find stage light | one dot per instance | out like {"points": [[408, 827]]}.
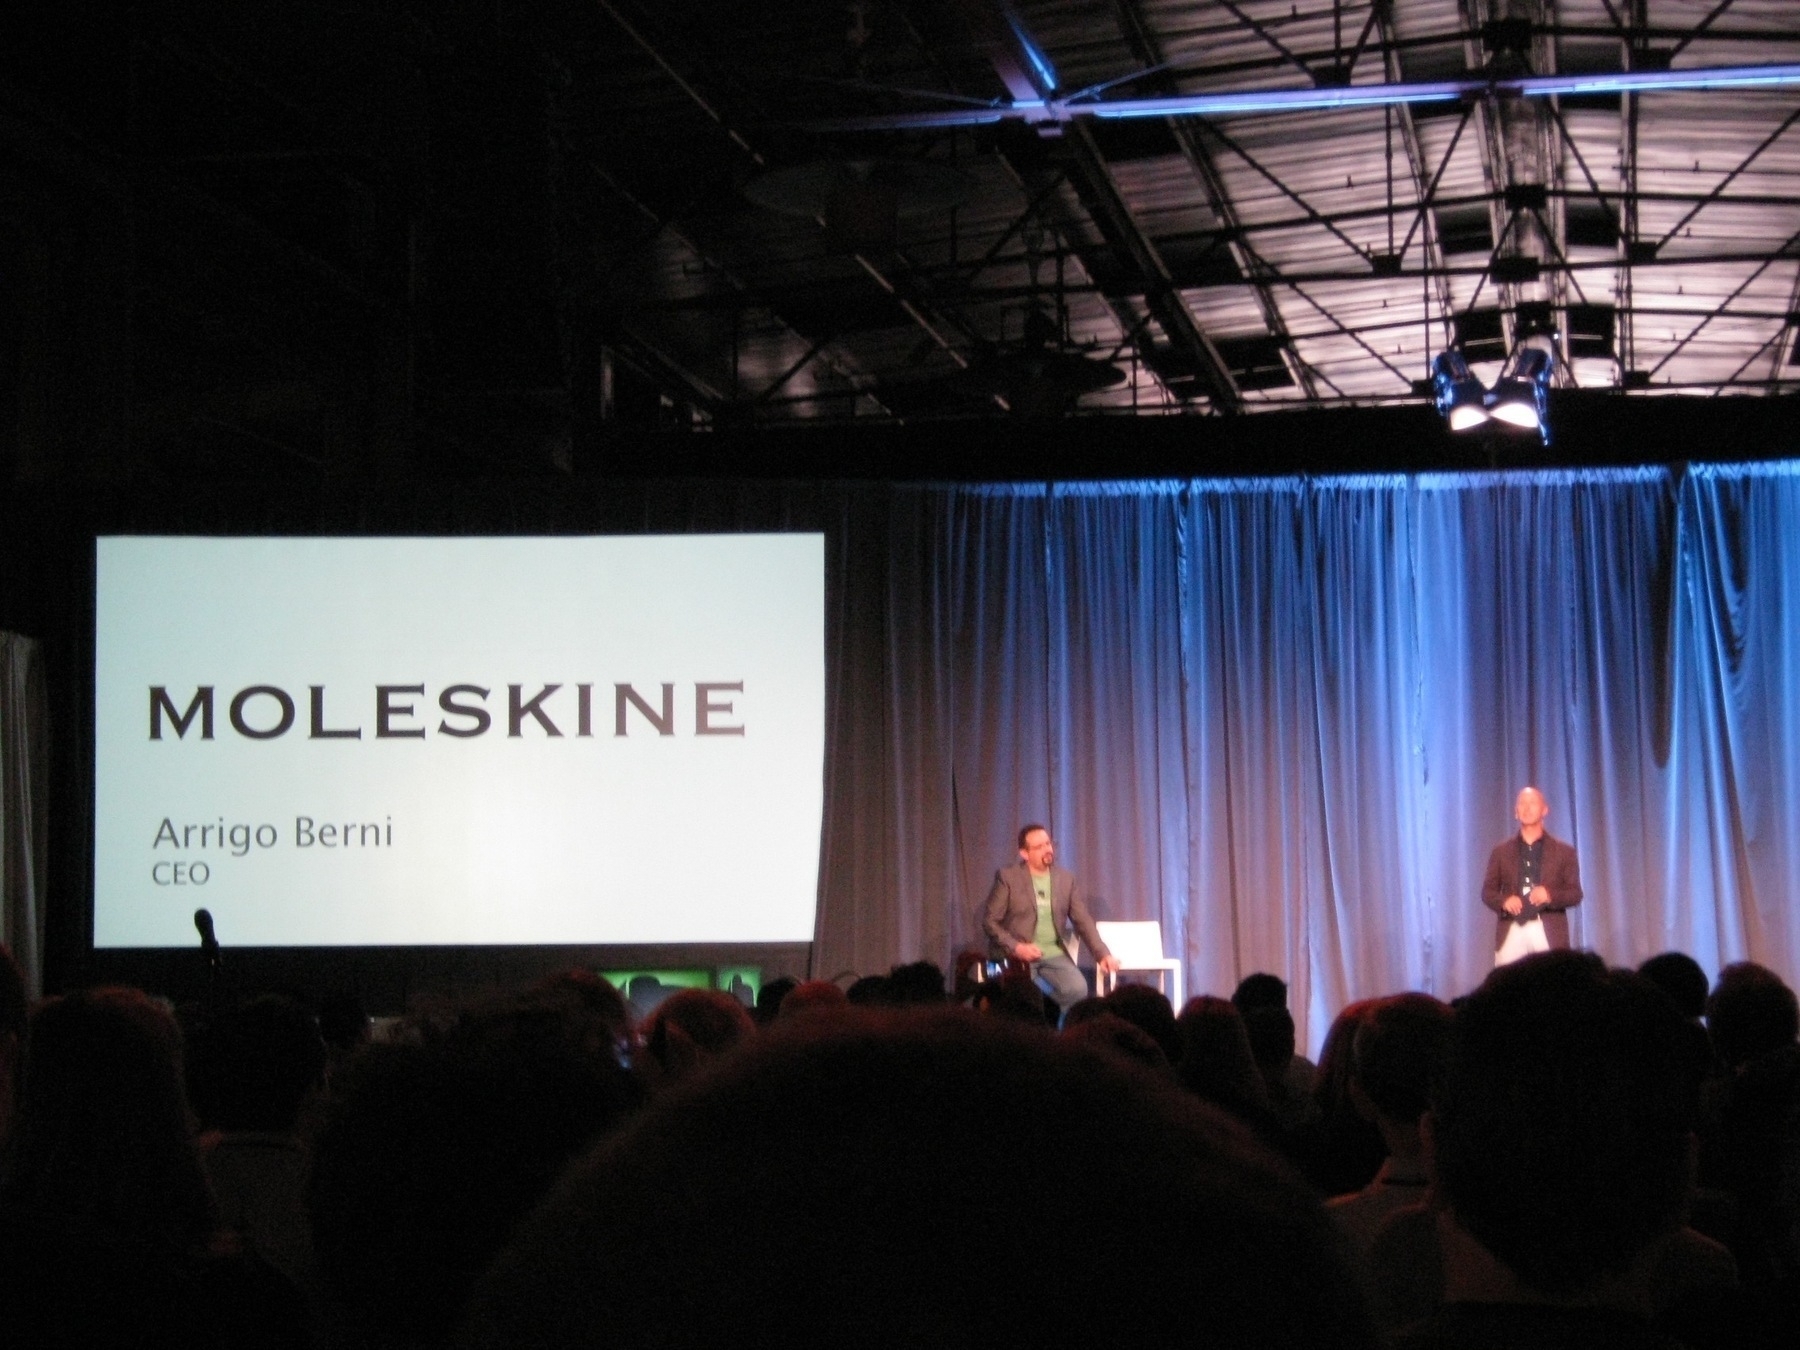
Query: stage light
{"points": [[1461, 399], [1521, 396]]}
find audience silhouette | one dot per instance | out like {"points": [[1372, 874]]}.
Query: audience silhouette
{"points": [[875, 1138], [540, 1168], [107, 1224], [433, 1147]]}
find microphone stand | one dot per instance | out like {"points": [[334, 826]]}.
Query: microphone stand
{"points": [[209, 952]]}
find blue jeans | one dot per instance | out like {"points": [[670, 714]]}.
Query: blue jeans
{"points": [[1061, 979]]}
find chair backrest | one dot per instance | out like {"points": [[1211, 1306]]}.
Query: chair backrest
{"points": [[1134, 941]]}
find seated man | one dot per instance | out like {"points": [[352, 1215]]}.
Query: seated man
{"points": [[1032, 905]]}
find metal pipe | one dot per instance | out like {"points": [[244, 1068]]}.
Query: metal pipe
{"points": [[1254, 102]]}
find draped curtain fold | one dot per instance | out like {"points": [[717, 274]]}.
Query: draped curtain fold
{"points": [[1287, 718]]}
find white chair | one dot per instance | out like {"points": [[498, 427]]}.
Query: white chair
{"points": [[1139, 947]]}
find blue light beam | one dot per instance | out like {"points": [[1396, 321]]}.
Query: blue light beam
{"points": [[1266, 101]]}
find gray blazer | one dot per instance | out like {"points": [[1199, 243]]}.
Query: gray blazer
{"points": [[1011, 913]]}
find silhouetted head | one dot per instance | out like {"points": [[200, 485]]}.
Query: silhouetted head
{"points": [[434, 1146], [267, 1056], [1271, 1033], [1260, 990], [869, 991], [1679, 976], [595, 996], [102, 1132], [769, 998], [691, 1027], [814, 999], [1750, 1012], [343, 1023], [1084, 1010], [917, 984], [1016, 997], [1216, 1063], [875, 1138], [1149, 1011], [1561, 1133], [1112, 1033], [1337, 1060], [1400, 1053]]}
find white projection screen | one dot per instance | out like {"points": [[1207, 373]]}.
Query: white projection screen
{"points": [[423, 742]]}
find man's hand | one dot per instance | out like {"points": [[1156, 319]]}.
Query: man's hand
{"points": [[1109, 964], [1540, 896], [1513, 905], [1029, 951]]}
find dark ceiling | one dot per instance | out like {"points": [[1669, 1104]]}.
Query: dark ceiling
{"points": [[460, 237]]}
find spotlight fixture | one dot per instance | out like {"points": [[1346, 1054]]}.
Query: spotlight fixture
{"points": [[1521, 396], [1461, 399]]}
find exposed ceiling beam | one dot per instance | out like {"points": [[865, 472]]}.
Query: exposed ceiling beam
{"points": [[698, 389], [962, 272], [1328, 98], [1100, 194], [1718, 192], [1719, 312], [1790, 333], [1023, 68], [1698, 311], [1389, 47], [1781, 385], [1518, 152], [987, 295], [1147, 50], [1422, 179], [1699, 29], [1625, 325], [914, 310]]}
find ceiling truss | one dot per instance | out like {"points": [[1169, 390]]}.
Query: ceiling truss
{"points": [[1208, 207], [1254, 279]]}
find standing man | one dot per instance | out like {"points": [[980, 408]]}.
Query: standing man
{"points": [[1531, 880], [1032, 905]]}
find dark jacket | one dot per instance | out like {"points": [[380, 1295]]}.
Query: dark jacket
{"points": [[1562, 878], [1011, 913]]}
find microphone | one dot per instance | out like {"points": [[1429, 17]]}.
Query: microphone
{"points": [[209, 953]]}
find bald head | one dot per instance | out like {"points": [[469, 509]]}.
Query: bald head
{"points": [[1530, 809]]}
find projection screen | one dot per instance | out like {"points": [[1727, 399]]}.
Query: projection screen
{"points": [[346, 742]]}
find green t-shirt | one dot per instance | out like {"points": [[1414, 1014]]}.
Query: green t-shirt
{"points": [[1045, 937]]}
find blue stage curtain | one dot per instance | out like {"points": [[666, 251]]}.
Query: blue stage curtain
{"points": [[1287, 718], [1729, 855]]}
